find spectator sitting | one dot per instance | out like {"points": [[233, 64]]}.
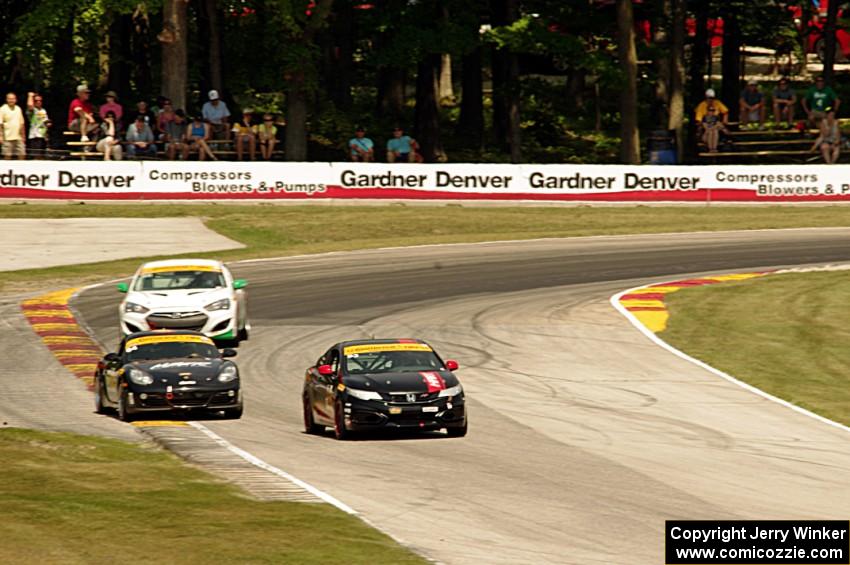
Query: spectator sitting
{"points": [[39, 124], [176, 136], [110, 141], [819, 101], [784, 99], [164, 117], [702, 108], [267, 136], [244, 133], [361, 147], [12, 128], [142, 109], [829, 140], [112, 105], [81, 114], [215, 112], [401, 148], [712, 126], [197, 136], [140, 138], [751, 104]]}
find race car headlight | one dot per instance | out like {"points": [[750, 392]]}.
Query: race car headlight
{"points": [[228, 373], [451, 391], [222, 304], [140, 377], [133, 307], [363, 394]]}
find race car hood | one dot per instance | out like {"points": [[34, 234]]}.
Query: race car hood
{"points": [[194, 298], [172, 371], [421, 381]]}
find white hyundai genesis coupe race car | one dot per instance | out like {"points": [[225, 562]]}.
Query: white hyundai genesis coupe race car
{"points": [[186, 294]]}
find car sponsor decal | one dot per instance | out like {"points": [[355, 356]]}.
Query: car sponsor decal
{"points": [[173, 338], [433, 381], [180, 269], [176, 364], [375, 347]]}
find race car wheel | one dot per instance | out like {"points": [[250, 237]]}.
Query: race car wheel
{"points": [[457, 432], [98, 397], [340, 430], [243, 334], [234, 413], [309, 424], [123, 414]]}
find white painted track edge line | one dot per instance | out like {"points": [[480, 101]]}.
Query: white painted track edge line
{"points": [[615, 302]]}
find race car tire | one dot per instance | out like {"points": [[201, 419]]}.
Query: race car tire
{"points": [[123, 414], [243, 334], [234, 413], [340, 431], [310, 425], [99, 408], [458, 432]]}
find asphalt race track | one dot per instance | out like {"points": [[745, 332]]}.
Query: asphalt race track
{"points": [[584, 436]]}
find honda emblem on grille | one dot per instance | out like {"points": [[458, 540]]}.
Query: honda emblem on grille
{"points": [[411, 397]]}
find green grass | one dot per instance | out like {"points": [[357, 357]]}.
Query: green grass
{"points": [[76, 499], [270, 231], [785, 334]]}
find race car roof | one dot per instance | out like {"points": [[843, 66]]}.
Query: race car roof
{"points": [[380, 341], [178, 263]]}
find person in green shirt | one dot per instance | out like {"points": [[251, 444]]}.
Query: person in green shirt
{"points": [[819, 101]]}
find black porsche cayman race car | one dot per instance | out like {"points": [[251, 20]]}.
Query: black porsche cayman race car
{"points": [[383, 383], [158, 371]]}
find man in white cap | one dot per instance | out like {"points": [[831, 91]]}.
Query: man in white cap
{"points": [[216, 113], [751, 105], [81, 113], [711, 100]]}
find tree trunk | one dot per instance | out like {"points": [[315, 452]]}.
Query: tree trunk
{"points": [[575, 89], [630, 144], [338, 56], [427, 118], [141, 49], [829, 37], [391, 92], [731, 64], [62, 86], [296, 118], [471, 123], [805, 18], [120, 53], [661, 40], [174, 41], [446, 89], [213, 29], [699, 58], [506, 87], [676, 105]]}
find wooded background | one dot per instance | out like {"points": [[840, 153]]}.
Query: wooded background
{"points": [[471, 80]]}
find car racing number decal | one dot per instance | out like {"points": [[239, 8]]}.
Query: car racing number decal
{"points": [[375, 347], [433, 381], [149, 339]]}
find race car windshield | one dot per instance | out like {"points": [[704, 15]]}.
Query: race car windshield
{"points": [[171, 350], [391, 362], [179, 280]]}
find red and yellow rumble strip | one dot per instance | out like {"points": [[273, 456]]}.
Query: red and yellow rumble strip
{"points": [[646, 304], [52, 320]]}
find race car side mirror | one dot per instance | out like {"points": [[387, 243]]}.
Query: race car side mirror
{"points": [[326, 370], [239, 283], [123, 287], [228, 352], [451, 365], [111, 358]]}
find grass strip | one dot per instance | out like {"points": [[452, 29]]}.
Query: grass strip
{"points": [[76, 499], [785, 334], [270, 231]]}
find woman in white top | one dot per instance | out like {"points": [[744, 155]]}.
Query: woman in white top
{"points": [[829, 139]]}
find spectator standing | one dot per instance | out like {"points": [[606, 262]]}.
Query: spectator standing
{"points": [[110, 140], [140, 139], [39, 124], [81, 114], [829, 140], [751, 105], [361, 147], [819, 101], [12, 128], [784, 99], [267, 136], [401, 148], [244, 133], [176, 132], [112, 105], [215, 112], [710, 100], [197, 137]]}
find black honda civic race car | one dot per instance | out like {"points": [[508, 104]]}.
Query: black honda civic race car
{"points": [[383, 384], [159, 371]]}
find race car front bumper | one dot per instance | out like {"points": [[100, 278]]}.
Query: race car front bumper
{"points": [[184, 398], [361, 415], [218, 324]]}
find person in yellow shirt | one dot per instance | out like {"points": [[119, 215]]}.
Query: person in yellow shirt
{"points": [[243, 132], [711, 100]]}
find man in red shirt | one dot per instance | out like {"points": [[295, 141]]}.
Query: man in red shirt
{"points": [[81, 113]]}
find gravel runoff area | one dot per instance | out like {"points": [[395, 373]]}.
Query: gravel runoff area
{"points": [[39, 243]]}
